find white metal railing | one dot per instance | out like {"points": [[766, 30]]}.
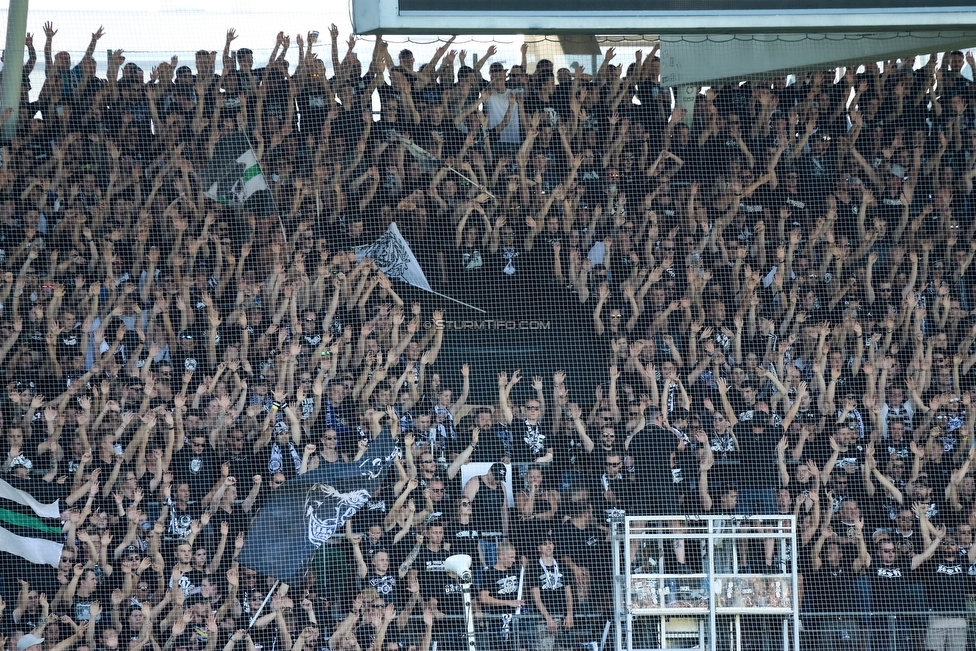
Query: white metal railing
{"points": [[714, 587]]}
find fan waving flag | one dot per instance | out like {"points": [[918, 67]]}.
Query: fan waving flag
{"points": [[428, 162], [394, 257], [28, 528], [306, 511], [233, 175]]}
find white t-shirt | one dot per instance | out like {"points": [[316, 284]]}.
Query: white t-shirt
{"points": [[497, 106]]}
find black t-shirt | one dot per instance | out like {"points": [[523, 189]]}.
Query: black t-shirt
{"points": [[510, 269], [536, 104], [199, 470], [612, 496], [385, 585], [797, 203], [314, 106], [587, 547], [237, 520], [530, 441], [433, 576], [190, 582], [194, 362], [551, 582], [853, 456], [651, 450], [28, 620], [80, 609], [491, 445], [463, 538], [181, 519], [243, 468], [758, 468], [907, 546], [946, 583], [818, 449], [568, 450], [487, 508], [501, 584], [831, 589], [889, 586], [349, 124]]}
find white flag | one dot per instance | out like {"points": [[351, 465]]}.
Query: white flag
{"points": [[393, 257], [428, 162]]}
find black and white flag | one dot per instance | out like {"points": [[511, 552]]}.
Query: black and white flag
{"points": [[306, 511], [394, 258]]}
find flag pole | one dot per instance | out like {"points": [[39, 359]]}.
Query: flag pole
{"points": [[477, 309], [410, 143], [264, 603]]}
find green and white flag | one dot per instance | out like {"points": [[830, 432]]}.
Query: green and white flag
{"points": [[28, 528], [233, 175]]}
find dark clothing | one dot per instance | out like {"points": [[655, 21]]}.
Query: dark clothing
{"points": [[199, 470], [500, 584], [463, 538], [491, 446], [530, 441], [831, 588], [946, 583], [758, 469], [487, 508], [552, 586], [651, 450], [889, 586]]}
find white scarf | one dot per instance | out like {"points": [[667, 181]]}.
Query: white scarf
{"points": [[551, 580]]}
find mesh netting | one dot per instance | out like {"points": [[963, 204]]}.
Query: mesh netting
{"points": [[292, 336]]}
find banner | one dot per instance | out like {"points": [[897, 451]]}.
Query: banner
{"points": [[394, 258], [28, 528], [306, 511], [233, 175]]}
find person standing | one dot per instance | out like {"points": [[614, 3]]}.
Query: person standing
{"points": [[552, 596], [499, 597], [489, 504], [503, 108], [946, 581], [831, 586], [889, 591]]}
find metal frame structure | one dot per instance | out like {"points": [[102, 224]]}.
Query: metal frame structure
{"points": [[723, 594], [446, 17]]}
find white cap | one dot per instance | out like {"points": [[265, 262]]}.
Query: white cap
{"points": [[28, 641]]}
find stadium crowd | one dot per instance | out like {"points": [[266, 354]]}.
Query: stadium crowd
{"points": [[774, 289]]}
